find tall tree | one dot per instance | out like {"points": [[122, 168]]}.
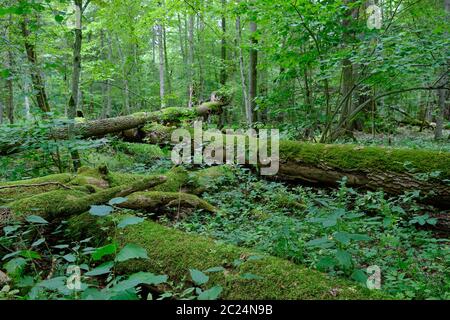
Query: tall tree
{"points": [[76, 72], [38, 82], [443, 92], [162, 72], [253, 73]]}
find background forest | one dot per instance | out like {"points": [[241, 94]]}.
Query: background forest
{"points": [[90, 91]]}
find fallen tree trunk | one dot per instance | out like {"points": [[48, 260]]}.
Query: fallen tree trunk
{"points": [[58, 204], [177, 252], [394, 170], [376, 168], [102, 127], [156, 201]]}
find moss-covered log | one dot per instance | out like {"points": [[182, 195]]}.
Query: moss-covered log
{"points": [[158, 201], [377, 168], [173, 253], [394, 170], [57, 204]]}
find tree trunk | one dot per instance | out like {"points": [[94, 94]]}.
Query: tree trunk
{"points": [[191, 85], [223, 57], [38, 83], [253, 72], [73, 102], [248, 111], [443, 93], [162, 73]]}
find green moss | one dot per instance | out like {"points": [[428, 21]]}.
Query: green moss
{"points": [[176, 179], [157, 200], [352, 157], [173, 253], [45, 203], [97, 177], [143, 153], [13, 194]]}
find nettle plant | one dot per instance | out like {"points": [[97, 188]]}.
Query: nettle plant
{"points": [[38, 269]]}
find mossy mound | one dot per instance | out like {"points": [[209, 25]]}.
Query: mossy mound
{"points": [[143, 153], [173, 253]]}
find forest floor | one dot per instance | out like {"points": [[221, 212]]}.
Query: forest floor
{"points": [[342, 232]]}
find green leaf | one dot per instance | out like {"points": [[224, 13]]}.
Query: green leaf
{"points": [[211, 294], [100, 211], [53, 284], [129, 221], [360, 237], [320, 242], [344, 258], [131, 251], [147, 278], [198, 277], [36, 219], [342, 237], [15, 266], [118, 200], [38, 242], [104, 251], [30, 254], [359, 276], [326, 263], [104, 268], [70, 258]]}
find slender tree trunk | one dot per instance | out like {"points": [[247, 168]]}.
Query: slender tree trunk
{"points": [[191, 85], [73, 102], [26, 102], [38, 83], [126, 89], [166, 63], [253, 71], [223, 57], [182, 42], [248, 110], [1, 112], [347, 70], [162, 82], [444, 92], [9, 80]]}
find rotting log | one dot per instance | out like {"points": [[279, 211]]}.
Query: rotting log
{"points": [[394, 170], [58, 204], [177, 252], [156, 201]]}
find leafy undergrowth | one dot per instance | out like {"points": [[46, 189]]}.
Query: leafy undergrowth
{"points": [[41, 262], [342, 232]]}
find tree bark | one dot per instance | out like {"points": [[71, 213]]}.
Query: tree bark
{"points": [[253, 73], [38, 83], [248, 111], [162, 72], [76, 72]]}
